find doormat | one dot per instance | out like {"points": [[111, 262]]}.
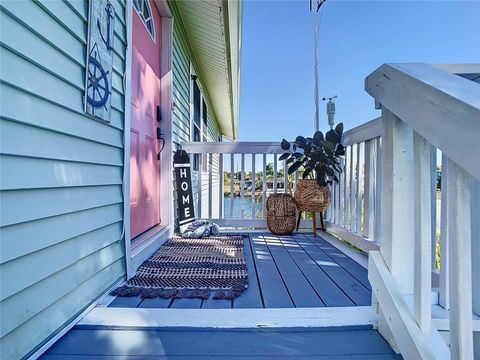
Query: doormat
{"points": [[192, 268]]}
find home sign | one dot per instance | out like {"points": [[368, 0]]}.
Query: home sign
{"points": [[183, 181]]}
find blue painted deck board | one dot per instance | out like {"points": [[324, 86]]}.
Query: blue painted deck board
{"points": [[329, 292], [216, 304], [350, 265], [274, 292], [349, 285], [300, 290], [252, 297], [186, 304], [333, 343], [155, 303], [128, 301]]}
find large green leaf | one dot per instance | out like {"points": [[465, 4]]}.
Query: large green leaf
{"points": [[294, 167], [318, 138], [284, 156], [339, 129], [285, 144]]}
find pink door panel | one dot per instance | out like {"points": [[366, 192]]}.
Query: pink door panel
{"points": [[144, 145]]}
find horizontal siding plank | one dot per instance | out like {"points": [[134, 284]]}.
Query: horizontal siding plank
{"points": [[116, 116], [46, 144], [65, 17], [38, 21], [32, 78], [33, 47], [28, 335], [17, 240], [30, 270], [27, 173], [80, 7], [22, 107], [16, 205]]}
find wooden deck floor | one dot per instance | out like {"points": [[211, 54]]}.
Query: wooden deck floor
{"points": [[353, 343], [285, 272]]}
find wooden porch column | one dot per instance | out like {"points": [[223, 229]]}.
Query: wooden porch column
{"points": [[397, 235]]}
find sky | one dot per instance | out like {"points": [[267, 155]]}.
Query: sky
{"points": [[355, 38]]}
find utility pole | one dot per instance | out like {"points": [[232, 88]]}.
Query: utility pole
{"points": [[315, 6]]}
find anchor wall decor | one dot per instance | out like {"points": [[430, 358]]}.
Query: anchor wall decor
{"points": [[98, 76]]}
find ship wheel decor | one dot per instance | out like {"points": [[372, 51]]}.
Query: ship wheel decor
{"points": [[97, 89], [98, 73]]}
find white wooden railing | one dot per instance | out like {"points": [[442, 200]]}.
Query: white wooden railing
{"points": [[354, 211], [424, 106], [248, 158]]}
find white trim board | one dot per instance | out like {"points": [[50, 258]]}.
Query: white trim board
{"points": [[354, 254], [230, 318]]}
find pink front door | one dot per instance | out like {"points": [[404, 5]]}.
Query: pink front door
{"points": [[144, 145]]}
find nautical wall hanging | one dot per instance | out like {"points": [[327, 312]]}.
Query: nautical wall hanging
{"points": [[183, 181], [98, 77]]}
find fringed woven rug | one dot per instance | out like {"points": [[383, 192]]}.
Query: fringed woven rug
{"points": [[192, 268]]}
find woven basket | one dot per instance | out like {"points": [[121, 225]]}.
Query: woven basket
{"points": [[281, 214], [309, 196]]}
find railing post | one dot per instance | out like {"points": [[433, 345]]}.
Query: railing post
{"points": [[264, 187], [422, 301], [397, 246], [459, 233], [378, 190], [475, 219], [351, 193], [210, 185], [220, 186], [252, 187], [475, 203], [444, 287], [242, 185], [433, 189], [200, 184], [369, 192], [358, 190], [232, 183]]}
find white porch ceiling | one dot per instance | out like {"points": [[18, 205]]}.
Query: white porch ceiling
{"points": [[213, 30]]}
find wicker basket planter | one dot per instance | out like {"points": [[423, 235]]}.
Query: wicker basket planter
{"points": [[281, 213], [309, 196]]}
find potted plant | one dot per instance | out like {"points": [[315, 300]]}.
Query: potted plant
{"points": [[319, 158]]}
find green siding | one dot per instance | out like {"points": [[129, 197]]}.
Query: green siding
{"points": [[181, 117], [61, 172]]}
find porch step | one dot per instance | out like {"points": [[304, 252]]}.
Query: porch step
{"points": [[344, 343]]}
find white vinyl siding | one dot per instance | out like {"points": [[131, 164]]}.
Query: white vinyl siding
{"points": [[61, 171]]}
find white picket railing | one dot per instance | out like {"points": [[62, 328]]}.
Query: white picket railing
{"points": [[252, 158], [354, 211], [424, 106]]}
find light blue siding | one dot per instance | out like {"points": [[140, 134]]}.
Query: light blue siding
{"points": [[61, 198]]}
